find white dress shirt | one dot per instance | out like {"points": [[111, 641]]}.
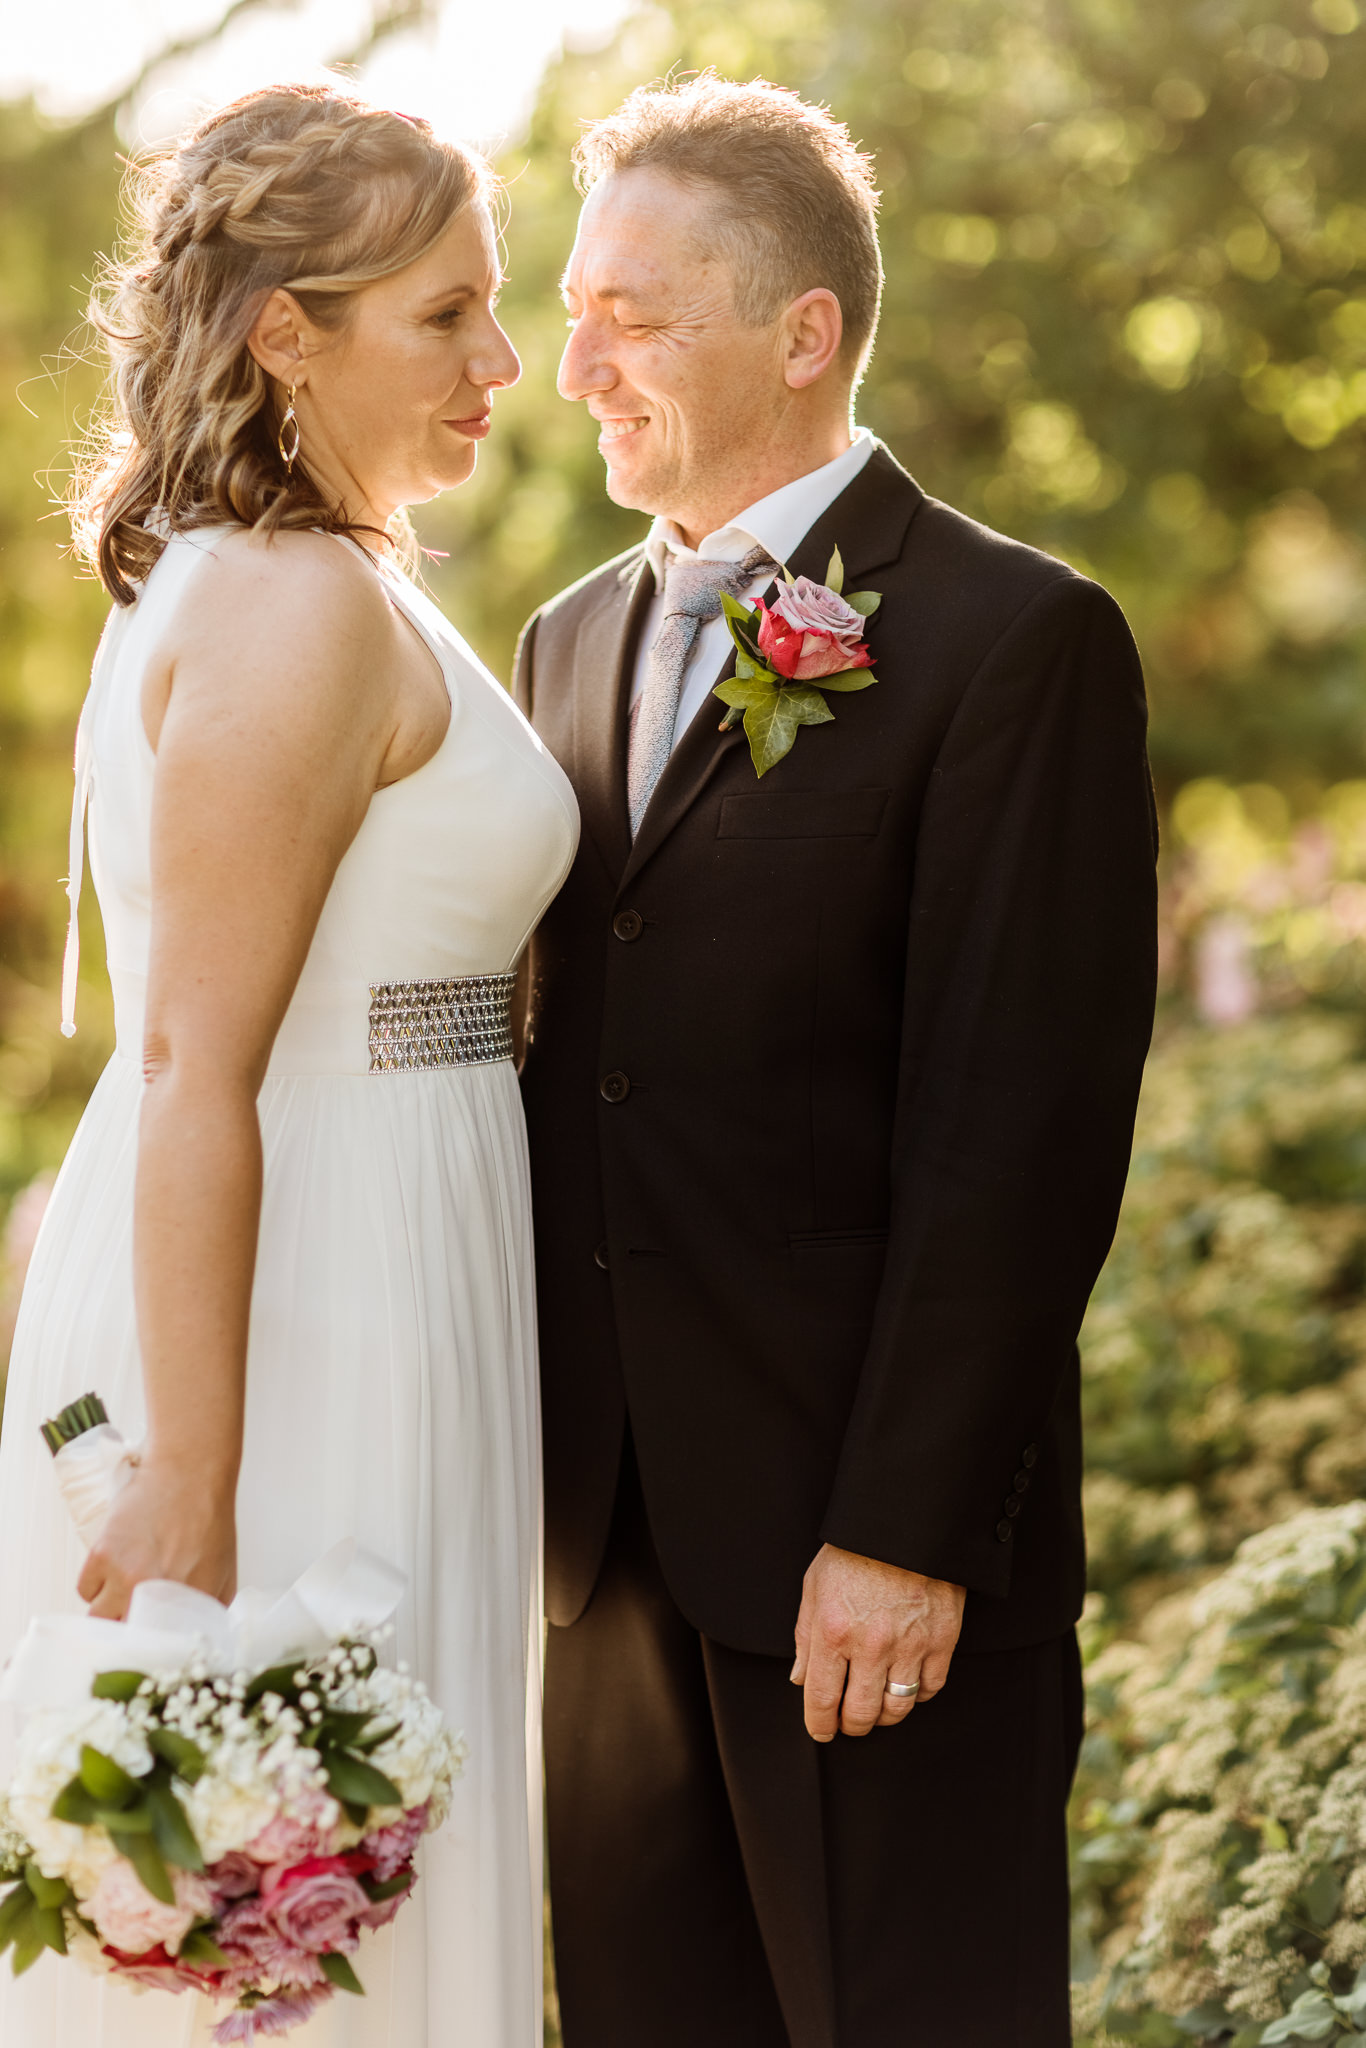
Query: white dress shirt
{"points": [[778, 524]]}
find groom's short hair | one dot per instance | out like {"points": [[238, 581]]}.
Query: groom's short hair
{"points": [[796, 205]]}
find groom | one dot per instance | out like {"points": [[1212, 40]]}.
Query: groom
{"points": [[830, 1084]]}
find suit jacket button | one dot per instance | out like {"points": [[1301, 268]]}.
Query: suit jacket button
{"points": [[628, 924], [614, 1087], [1019, 1482], [1011, 1503], [600, 1255], [1029, 1456], [1004, 1531]]}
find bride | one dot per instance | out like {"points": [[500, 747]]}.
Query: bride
{"points": [[290, 1244]]}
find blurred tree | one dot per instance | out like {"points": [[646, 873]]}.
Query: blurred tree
{"points": [[1125, 320]]}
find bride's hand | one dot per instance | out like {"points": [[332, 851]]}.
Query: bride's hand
{"points": [[166, 1523]]}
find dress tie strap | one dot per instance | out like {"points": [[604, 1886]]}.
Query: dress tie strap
{"points": [[71, 957]]}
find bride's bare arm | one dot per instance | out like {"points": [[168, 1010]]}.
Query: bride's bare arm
{"points": [[275, 730]]}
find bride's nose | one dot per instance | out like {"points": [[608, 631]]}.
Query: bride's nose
{"points": [[497, 366]]}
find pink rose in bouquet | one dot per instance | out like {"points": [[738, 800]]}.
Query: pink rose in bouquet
{"points": [[234, 1876], [318, 1904], [128, 1918], [809, 631]]}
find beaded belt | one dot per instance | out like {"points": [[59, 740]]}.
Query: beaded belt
{"points": [[466, 1022]]}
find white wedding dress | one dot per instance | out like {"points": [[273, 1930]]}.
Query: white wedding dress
{"points": [[392, 1371]]}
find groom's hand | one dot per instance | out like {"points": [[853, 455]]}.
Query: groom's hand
{"points": [[861, 1625]]}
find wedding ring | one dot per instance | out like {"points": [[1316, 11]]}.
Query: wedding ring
{"points": [[903, 1692]]}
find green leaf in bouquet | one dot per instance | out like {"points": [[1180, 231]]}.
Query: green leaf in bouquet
{"points": [[864, 602], [338, 1731], [117, 1685], [15, 1908], [47, 1891], [28, 1942], [282, 1679], [186, 1758], [171, 1828], [105, 1780], [339, 1973], [200, 1947], [50, 1928], [142, 1852], [834, 575], [771, 726], [849, 679], [351, 1778], [74, 1805], [378, 1888], [125, 1820], [372, 1741]]}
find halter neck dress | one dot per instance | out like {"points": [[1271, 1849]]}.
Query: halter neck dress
{"points": [[391, 1389]]}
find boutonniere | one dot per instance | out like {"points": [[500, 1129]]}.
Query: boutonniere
{"points": [[787, 654]]}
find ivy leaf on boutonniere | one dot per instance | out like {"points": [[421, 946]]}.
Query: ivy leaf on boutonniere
{"points": [[809, 640]]}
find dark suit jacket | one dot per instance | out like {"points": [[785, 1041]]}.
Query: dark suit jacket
{"points": [[830, 1083]]}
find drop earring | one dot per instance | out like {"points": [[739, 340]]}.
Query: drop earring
{"points": [[291, 419]]}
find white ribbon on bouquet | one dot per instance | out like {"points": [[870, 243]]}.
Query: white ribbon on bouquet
{"points": [[347, 1592]]}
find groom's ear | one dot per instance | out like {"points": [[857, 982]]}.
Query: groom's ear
{"points": [[813, 331], [281, 336]]}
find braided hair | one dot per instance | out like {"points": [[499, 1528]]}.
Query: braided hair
{"points": [[297, 187]]}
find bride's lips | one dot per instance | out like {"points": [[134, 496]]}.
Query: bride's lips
{"points": [[473, 429]]}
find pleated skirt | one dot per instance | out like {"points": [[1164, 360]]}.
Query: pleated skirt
{"points": [[391, 1397]]}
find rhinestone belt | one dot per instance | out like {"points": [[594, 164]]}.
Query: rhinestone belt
{"points": [[466, 1022]]}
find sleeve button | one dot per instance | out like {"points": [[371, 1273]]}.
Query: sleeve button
{"points": [[1029, 1456], [1019, 1482], [1011, 1504], [1004, 1530]]}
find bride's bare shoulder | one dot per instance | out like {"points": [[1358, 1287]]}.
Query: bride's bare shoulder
{"points": [[253, 584]]}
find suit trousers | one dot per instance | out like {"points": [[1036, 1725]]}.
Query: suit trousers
{"points": [[719, 1880]]}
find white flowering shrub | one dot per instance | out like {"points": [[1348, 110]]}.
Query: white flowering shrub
{"points": [[1220, 1855]]}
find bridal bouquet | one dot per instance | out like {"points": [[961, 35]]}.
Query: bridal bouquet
{"points": [[209, 1826]]}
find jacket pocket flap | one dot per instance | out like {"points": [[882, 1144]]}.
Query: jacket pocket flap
{"points": [[802, 814]]}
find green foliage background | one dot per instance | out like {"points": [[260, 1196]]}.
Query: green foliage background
{"points": [[1126, 321]]}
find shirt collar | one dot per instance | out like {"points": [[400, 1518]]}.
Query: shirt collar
{"points": [[777, 523]]}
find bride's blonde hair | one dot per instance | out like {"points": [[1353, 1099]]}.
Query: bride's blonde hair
{"points": [[297, 187]]}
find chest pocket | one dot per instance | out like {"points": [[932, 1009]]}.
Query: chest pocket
{"points": [[803, 814]]}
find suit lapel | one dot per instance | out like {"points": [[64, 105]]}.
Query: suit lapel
{"points": [[603, 661], [868, 521]]}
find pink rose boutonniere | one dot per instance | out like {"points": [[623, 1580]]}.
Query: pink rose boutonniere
{"points": [[809, 640]]}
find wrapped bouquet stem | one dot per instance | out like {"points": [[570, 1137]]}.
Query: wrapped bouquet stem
{"points": [[92, 1462], [219, 1800]]}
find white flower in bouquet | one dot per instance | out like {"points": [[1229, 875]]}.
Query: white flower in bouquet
{"points": [[49, 1758], [421, 1756]]}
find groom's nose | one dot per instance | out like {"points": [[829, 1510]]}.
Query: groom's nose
{"points": [[585, 366]]}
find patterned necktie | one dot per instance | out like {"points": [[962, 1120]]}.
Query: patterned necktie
{"points": [[692, 597]]}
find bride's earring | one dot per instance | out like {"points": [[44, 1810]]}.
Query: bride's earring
{"points": [[289, 449]]}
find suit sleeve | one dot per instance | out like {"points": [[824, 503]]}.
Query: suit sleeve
{"points": [[524, 666], [1030, 981], [523, 695]]}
